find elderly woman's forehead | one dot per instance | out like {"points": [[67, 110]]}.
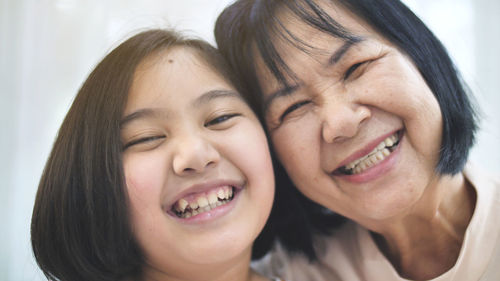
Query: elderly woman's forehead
{"points": [[290, 22], [290, 29]]}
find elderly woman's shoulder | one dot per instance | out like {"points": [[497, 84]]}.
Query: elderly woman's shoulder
{"points": [[331, 251]]}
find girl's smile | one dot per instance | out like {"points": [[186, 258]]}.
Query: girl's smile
{"points": [[205, 202]]}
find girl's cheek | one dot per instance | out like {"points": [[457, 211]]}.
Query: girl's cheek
{"points": [[142, 177]]}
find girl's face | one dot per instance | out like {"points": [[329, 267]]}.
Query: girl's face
{"points": [[359, 131], [197, 167]]}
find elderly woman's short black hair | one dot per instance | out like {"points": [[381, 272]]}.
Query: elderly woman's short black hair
{"points": [[248, 29], [80, 227]]}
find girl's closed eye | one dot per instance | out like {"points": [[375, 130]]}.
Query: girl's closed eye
{"points": [[149, 140], [221, 120]]}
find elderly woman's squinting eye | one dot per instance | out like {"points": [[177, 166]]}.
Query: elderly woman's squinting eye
{"points": [[292, 108], [351, 69]]}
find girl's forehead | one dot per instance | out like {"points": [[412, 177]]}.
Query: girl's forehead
{"points": [[172, 55], [172, 78]]}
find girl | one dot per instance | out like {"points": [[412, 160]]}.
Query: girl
{"points": [[160, 171]]}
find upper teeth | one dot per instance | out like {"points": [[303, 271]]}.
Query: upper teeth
{"points": [[203, 202], [376, 155]]}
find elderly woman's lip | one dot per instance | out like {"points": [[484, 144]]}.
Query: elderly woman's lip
{"points": [[382, 150]]}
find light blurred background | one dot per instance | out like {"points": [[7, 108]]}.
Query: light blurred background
{"points": [[48, 47]]}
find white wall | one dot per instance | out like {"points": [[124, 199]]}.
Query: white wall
{"points": [[47, 47]]}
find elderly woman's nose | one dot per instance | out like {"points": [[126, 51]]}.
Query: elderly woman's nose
{"points": [[342, 120], [193, 154]]}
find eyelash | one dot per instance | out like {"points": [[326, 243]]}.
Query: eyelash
{"points": [[212, 122], [351, 70], [221, 119], [142, 140], [292, 108]]}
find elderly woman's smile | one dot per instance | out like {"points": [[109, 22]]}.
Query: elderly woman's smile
{"points": [[375, 157]]}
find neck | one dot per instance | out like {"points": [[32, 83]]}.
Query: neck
{"points": [[233, 270], [425, 242]]}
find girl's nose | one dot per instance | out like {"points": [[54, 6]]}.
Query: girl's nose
{"points": [[341, 120], [194, 154]]}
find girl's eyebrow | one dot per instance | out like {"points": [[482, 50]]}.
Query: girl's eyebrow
{"points": [[215, 94], [139, 114], [201, 100]]}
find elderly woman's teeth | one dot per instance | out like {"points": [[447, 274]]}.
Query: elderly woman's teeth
{"points": [[203, 202], [378, 154]]}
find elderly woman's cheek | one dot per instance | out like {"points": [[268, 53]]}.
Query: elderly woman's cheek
{"points": [[297, 147]]}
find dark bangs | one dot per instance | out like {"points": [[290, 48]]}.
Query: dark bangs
{"points": [[269, 29]]}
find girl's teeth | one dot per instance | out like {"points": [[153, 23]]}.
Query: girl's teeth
{"points": [[186, 208], [202, 201], [381, 145], [372, 158], [181, 205], [212, 198], [388, 142], [220, 194], [193, 205]]}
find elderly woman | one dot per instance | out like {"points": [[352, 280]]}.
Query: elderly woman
{"points": [[369, 118]]}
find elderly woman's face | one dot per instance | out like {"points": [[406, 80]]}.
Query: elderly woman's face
{"points": [[360, 131]]}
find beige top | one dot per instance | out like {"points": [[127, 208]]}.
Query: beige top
{"points": [[351, 254]]}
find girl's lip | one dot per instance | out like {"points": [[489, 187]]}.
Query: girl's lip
{"points": [[364, 151], [203, 187], [212, 214]]}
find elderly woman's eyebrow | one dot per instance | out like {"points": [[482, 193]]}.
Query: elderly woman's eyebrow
{"points": [[285, 91], [340, 52]]}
